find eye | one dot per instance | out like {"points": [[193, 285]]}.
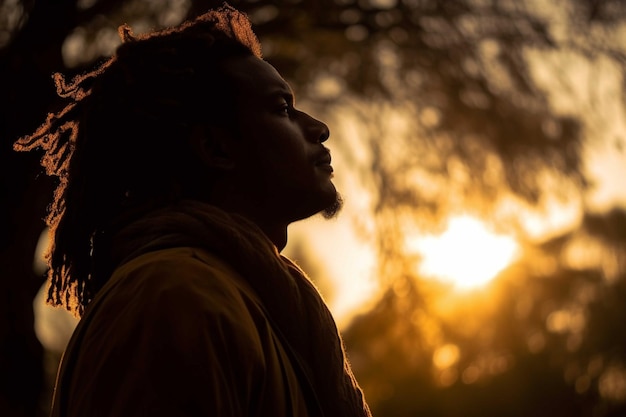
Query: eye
{"points": [[285, 109], [284, 104]]}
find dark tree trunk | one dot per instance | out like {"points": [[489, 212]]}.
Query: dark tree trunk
{"points": [[27, 92]]}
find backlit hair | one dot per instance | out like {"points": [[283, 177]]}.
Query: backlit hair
{"points": [[119, 145]]}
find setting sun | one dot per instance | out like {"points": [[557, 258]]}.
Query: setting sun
{"points": [[466, 254]]}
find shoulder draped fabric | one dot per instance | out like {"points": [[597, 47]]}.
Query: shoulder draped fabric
{"points": [[203, 317]]}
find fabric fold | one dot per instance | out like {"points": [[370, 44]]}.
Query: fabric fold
{"points": [[291, 299]]}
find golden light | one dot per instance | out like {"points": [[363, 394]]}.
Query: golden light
{"points": [[446, 356], [467, 254]]}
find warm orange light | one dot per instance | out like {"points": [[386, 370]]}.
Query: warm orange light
{"points": [[467, 254], [446, 356]]}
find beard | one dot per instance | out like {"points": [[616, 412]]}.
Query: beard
{"points": [[333, 209]]}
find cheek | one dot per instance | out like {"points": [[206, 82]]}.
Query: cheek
{"points": [[282, 148], [275, 144]]}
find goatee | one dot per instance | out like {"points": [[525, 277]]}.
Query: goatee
{"points": [[334, 208]]}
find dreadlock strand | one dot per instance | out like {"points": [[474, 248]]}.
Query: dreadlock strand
{"points": [[72, 89], [58, 149], [48, 135], [126, 33], [55, 290], [39, 138], [238, 26], [63, 89], [57, 159]]}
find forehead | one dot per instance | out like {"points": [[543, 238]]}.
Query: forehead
{"points": [[255, 78]]}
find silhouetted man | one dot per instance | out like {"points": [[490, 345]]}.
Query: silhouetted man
{"points": [[181, 162]]}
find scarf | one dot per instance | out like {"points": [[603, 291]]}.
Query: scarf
{"points": [[289, 297]]}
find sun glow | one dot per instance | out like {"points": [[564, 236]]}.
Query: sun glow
{"points": [[467, 254]]}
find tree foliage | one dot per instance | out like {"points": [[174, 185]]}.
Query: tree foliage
{"points": [[544, 340]]}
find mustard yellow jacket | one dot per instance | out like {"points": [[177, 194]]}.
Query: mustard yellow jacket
{"points": [[177, 332]]}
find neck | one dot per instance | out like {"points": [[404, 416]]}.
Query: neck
{"points": [[276, 233], [230, 201]]}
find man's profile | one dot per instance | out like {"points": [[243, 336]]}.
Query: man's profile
{"points": [[181, 161]]}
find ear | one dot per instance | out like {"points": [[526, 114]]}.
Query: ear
{"points": [[211, 145]]}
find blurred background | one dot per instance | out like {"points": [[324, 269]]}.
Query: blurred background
{"points": [[478, 268]]}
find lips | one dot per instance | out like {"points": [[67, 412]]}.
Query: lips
{"points": [[323, 161]]}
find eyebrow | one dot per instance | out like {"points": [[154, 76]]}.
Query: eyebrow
{"points": [[285, 93]]}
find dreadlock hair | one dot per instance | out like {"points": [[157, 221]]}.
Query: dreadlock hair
{"points": [[120, 144]]}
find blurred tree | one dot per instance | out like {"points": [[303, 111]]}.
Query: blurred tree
{"points": [[454, 117], [545, 340]]}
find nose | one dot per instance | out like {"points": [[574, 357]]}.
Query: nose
{"points": [[316, 131], [325, 134]]}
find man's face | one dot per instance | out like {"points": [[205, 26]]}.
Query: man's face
{"points": [[280, 163]]}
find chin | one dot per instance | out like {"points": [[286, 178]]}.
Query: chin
{"points": [[326, 203], [332, 210]]}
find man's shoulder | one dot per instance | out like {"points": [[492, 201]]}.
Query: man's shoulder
{"points": [[190, 276], [175, 263], [178, 305]]}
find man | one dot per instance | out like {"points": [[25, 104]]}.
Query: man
{"points": [[181, 163]]}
